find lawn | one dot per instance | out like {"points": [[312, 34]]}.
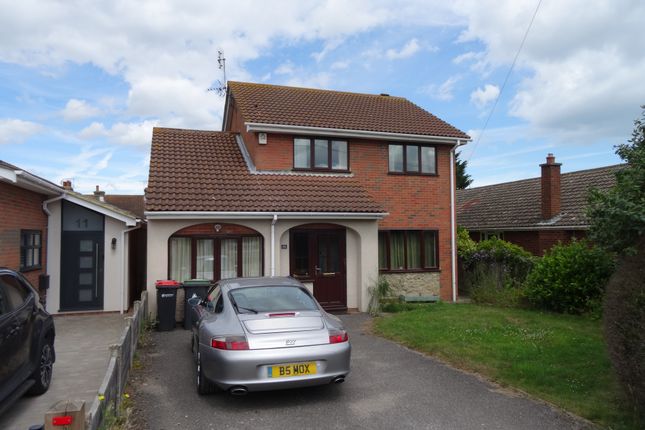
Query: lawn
{"points": [[559, 358]]}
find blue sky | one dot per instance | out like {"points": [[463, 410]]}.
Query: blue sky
{"points": [[82, 86]]}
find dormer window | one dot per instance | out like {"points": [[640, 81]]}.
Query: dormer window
{"points": [[412, 159], [320, 154]]}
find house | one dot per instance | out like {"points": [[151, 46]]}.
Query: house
{"points": [[534, 213], [332, 188], [74, 248]]}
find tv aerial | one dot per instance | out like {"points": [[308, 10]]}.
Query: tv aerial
{"points": [[220, 89]]}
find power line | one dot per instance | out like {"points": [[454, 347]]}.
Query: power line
{"points": [[508, 74]]}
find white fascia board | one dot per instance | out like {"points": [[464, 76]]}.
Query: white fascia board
{"points": [[339, 132], [533, 228], [8, 175], [26, 180], [150, 215], [129, 221]]}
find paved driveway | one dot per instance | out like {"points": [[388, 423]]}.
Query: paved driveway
{"points": [[82, 355], [389, 387]]}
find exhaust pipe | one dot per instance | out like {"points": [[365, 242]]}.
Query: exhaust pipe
{"points": [[238, 391], [338, 380]]}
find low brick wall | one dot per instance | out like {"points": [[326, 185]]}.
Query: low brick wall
{"points": [[414, 284]]}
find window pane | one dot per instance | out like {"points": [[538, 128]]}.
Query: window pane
{"points": [[269, 299], [251, 262], [36, 239], [428, 160], [412, 158], [228, 258], [180, 258], [301, 254], [301, 153], [382, 251], [396, 158], [397, 251], [36, 252], [339, 155], [430, 249], [204, 259], [414, 250], [321, 153]]}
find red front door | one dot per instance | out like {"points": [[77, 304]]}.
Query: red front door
{"points": [[318, 256]]}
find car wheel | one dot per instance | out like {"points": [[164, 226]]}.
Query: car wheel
{"points": [[204, 386], [43, 373]]}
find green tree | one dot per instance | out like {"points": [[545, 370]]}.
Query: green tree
{"points": [[463, 179], [617, 217]]}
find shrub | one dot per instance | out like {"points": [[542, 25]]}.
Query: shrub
{"points": [[465, 245], [624, 323], [570, 278], [378, 292]]}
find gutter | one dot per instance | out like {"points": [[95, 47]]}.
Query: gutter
{"points": [[123, 273], [52, 200], [339, 132], [261, 215], [273, 222], [453, 221]]}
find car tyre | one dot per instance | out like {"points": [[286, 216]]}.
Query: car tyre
{"points": [[43, 373], [204, 386]]}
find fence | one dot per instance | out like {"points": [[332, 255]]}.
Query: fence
{"points": [[121, 355]]}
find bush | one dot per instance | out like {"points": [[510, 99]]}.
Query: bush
{"points": [[465, 245], [624, 321], [570, 278], [378, 292]]}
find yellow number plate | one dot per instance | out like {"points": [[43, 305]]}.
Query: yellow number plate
{"points": [[294, 369]]}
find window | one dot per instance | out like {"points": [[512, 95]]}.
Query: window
{"points": [[214, 258], [30, 250], [408, 250], [412, 159], [15, 294], [320, 154], [486, 235]]}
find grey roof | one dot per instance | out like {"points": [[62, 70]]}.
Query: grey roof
{"points": [[516, 205]]}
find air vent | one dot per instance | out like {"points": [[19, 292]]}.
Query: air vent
{"points": [[262, 138]]}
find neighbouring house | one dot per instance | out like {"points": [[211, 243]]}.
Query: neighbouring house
{"points": [[534, 213], [332, 188], [72, 247]]}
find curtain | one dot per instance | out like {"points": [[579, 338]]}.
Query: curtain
{"points": [[397, 250], [382, 251], [180, 258], [414, 250], [251, 256], [430, 248], [228, 258], [204, 259]]}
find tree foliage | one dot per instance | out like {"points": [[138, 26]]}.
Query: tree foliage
{"points": [[463, 179], [617, 217]]}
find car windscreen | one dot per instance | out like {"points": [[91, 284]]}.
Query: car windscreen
{"points": [[272, 299]]}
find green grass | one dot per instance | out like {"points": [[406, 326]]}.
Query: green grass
{"points": [[559, 358]]}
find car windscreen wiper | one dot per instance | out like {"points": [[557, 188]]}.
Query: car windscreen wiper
{"points": [[246, 309]]}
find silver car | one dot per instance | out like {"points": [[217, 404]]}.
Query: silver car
{"points": [[255, 334]]}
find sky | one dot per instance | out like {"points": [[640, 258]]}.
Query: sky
{"points": [[82, 83]]}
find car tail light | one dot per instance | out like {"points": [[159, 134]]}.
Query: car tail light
{"points": [[230, 343], [338, 336], [282, 314]]}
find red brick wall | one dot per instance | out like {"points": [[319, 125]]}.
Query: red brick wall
{"points": [[20, 209], [413, 202]]}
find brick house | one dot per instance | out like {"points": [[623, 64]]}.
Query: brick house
{"points": [[330, 187], [72, 247], [534, 213]]}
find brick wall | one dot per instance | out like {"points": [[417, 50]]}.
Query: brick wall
{"points": [[538, 242], [20, 209]]}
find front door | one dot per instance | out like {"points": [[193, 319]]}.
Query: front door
{"points": [[81, 259], [318, 256]]}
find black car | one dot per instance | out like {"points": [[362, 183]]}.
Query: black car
{"points": [[26, 340]]}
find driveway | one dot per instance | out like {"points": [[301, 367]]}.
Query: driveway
{"points": [[389, 387], [82, 355]]}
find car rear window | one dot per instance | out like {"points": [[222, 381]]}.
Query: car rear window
{"points": [[272, 299]]}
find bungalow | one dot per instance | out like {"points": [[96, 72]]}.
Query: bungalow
{"points": [[332, 188]]}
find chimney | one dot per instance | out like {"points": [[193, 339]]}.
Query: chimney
{"points": [[67, 184], [99, 195], [550, 187]]}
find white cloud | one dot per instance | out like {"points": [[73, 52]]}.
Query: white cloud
{"points": [[339, 65], [408, 50], [443, 91], [76, 110], [481, 97], [124, 133], [17, 131], [286, 68]]}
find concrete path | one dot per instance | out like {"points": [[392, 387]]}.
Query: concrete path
{"points": [[82, 354], [390, 387]]}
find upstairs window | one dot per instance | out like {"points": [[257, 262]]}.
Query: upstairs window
{"points": [[320, 154], [30, 250], [412, 159]]}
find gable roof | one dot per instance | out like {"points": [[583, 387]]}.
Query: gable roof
{"points": [[205, 171], [23, 179], [306, 107], [131, 203], [516, 205]]}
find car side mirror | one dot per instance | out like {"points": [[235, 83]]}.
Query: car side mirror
{"points": [[195, 300]]}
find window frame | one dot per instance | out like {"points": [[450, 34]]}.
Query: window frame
{"points": [[405, 171], [312, 155], [25, 248], [217, 252], [421, 233]]}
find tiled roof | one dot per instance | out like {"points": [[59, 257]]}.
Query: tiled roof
{"points": [[93, 200], [131, 203], [517, 204], [273, 104], [194, 170]]}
